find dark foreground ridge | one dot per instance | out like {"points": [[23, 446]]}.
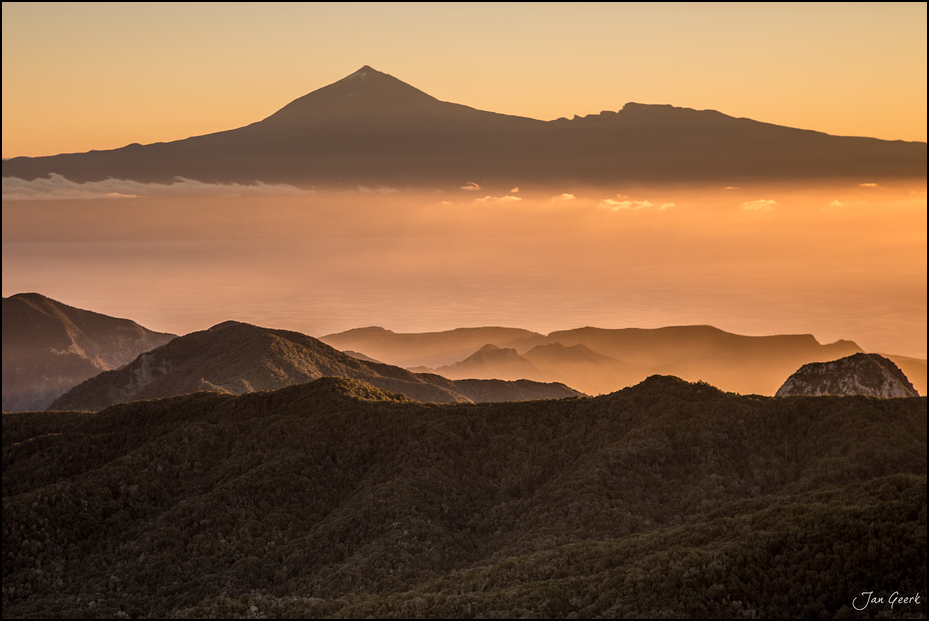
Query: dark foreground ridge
{"points": [[372, 129], [335, 498]]}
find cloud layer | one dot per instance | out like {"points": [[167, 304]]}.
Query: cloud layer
{"points": [[626, 203], [762, 204], [58, 187]]}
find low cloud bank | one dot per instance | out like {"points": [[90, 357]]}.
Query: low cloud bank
{"points": [[498, 199], [761, 204], [58, 187], [626, 203]]}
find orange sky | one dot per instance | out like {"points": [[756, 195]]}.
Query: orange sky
{"points": [[82, 76]]}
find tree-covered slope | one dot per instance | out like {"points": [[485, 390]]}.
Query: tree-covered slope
{"points": [[335, 498]]}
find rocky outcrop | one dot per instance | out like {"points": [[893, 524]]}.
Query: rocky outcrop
{"points": [[859, 374]]}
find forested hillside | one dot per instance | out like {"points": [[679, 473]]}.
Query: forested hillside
{"points": [[337, 499]]}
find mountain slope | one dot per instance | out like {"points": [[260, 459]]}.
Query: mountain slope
{"points": [[237, 358], [374, 130], [336, 499], [50, 347], [914, 369]]}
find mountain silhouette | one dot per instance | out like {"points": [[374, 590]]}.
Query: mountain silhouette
{"points": [[605, 360], [491, 361], [50, 347], [598, 373], [371, 129], [577, 366], [429, 349], [238, 358]]}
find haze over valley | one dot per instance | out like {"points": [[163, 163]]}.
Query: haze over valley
{"points": [[840, 264]]}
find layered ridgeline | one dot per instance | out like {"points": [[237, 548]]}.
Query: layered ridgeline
{"points": [[336, 499], [371, 129], [50, 347], [598, 361], [860, 374], [236, 358]]}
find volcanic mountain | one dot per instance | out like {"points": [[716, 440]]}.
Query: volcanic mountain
{"points": [[860, 374], [238, 358], [371, 129], [50, 347]]}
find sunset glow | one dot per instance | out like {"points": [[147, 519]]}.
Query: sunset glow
{"points": [[856, 69]]}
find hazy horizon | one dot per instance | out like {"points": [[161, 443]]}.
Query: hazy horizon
{"points": [[836, 263]]}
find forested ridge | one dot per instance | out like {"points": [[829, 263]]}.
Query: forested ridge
{"points": [[335, 498]]}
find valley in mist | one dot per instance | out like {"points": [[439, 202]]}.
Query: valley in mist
{"points": [[837, 260]]}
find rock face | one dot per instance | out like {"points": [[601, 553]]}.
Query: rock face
{"points": [[860, 374], [50, 347]]}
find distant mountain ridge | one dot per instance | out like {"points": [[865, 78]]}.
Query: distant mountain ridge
{"points": [[598, 360], [237, 358], [50, 347], [492, 361], [372, 129], [577, 365]]}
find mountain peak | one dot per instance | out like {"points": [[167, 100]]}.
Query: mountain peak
{"points": [[366, 94], [364, 72]]}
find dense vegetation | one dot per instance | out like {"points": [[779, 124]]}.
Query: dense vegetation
{"points": [[335, 498]]}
